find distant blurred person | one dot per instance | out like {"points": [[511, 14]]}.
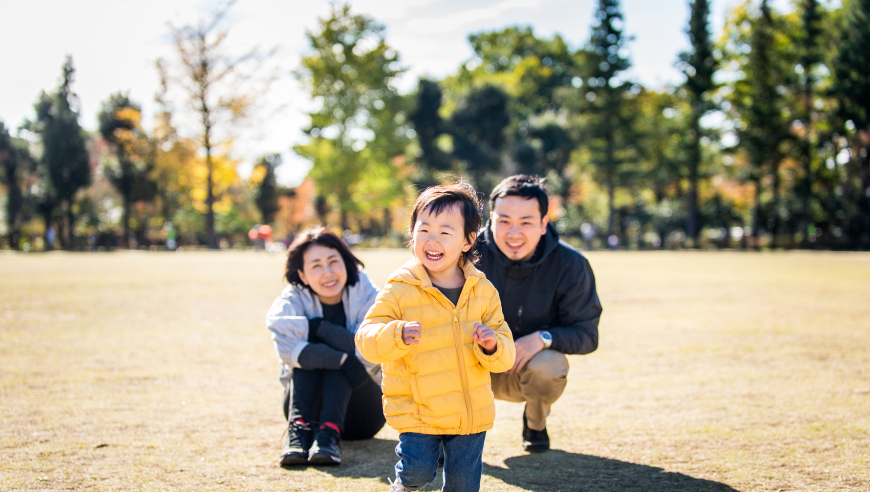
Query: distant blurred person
{"points": [[330, 392], [548, 294]]}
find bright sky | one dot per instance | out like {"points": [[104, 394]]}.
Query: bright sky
{"points": [[114, 44]]}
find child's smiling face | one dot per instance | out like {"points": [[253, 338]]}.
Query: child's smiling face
{"points": [[439, 241]]}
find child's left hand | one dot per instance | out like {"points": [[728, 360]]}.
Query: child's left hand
{"points": [[485, 337]]}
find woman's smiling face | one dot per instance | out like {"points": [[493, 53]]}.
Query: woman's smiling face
{"points": [[324, 271]]}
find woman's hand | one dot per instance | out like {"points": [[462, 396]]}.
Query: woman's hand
{"points": [[411, 332], [485, 337]]}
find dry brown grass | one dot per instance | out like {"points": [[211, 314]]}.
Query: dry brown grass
{"points": [[716, 371]]}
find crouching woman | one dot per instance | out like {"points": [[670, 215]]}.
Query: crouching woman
{"points": [[331, 393]]}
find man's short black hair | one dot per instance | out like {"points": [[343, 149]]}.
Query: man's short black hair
{"points": [[525, 186]]}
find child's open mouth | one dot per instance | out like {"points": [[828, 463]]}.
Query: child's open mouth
{"points": [[330, 284], [432, 255]]}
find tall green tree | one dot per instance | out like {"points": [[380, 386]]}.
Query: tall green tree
{"points": [[810, 57], [699, 65], [360, 123], [530, 69], [429, 126], [64, 162], [130, 170], [852, 73], [14, 160], [609, 127], [266, 196], [757, 98], [477, 127], [538, 75]]}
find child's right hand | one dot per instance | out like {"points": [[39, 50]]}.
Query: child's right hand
{"points": [[411, 332]]}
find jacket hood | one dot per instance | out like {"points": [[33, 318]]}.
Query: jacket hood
{"points": [[549, 242], [414, 273]]}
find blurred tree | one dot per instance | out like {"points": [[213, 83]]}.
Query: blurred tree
{"points": [[609, 129], [477, 128], [64, 163], [537, 75], [222, 90], [758, 101], [14, 159], [698, 65], [266, 196], [852, 71], [530, 69], [664, 142], [359, 124], [429, 126], [130, 170], [810, 57]]}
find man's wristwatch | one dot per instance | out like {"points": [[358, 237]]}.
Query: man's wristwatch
{"points": [[547, 338]]}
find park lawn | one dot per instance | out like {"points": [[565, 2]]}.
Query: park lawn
{"points": [[716, 371]]}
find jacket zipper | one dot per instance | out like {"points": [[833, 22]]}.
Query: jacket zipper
{"points": [[457, 334]]}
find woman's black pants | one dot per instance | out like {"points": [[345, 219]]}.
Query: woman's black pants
{"points": [[322, 395]]}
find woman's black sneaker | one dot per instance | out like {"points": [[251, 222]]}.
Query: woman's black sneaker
{"points": [[298, 443], [326, 449]]}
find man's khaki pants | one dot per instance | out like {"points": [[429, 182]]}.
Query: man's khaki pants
{"points": [[539, 384]]}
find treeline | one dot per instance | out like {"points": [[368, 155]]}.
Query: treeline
{"points": [[128, 186], [764, 143]]}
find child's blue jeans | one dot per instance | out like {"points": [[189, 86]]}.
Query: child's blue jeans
{"points": [[418, 460]]}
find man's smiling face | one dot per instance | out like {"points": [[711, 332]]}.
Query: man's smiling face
{"points": [[517, 226]]}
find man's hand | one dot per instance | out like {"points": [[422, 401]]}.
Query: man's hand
{"points": [[527, 347], [412, 332], [485, 337]]}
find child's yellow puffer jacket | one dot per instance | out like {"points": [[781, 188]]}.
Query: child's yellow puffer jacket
{"points": [[442, 384]]}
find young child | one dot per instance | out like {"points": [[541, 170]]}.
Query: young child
{"points": [[437, 328]]}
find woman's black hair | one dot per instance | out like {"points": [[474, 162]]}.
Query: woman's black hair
{"points": [[320, 236]]}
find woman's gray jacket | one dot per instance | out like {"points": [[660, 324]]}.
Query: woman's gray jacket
{"points": [[288, 317]]}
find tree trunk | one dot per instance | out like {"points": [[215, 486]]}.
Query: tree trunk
{"points": [[209, 199], [69, 235], [692, 226], [126, 219], [807, 148], [756, 214], [776, 222]]}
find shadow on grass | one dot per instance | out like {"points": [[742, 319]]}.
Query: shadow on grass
{"points": [[557, 470], [554, 470], [371, 458]]}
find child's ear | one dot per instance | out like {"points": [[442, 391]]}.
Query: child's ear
{"points": [[302, 277], [470, 242]]}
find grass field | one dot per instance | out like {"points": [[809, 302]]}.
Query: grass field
{"points": [[715, 372]]}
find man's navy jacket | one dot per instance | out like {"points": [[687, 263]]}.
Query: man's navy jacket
{"points": [[553, 291]]}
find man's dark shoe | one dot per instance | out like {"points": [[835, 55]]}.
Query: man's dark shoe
{"points": [[298, 442], [326, 449], [534, 441]]}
